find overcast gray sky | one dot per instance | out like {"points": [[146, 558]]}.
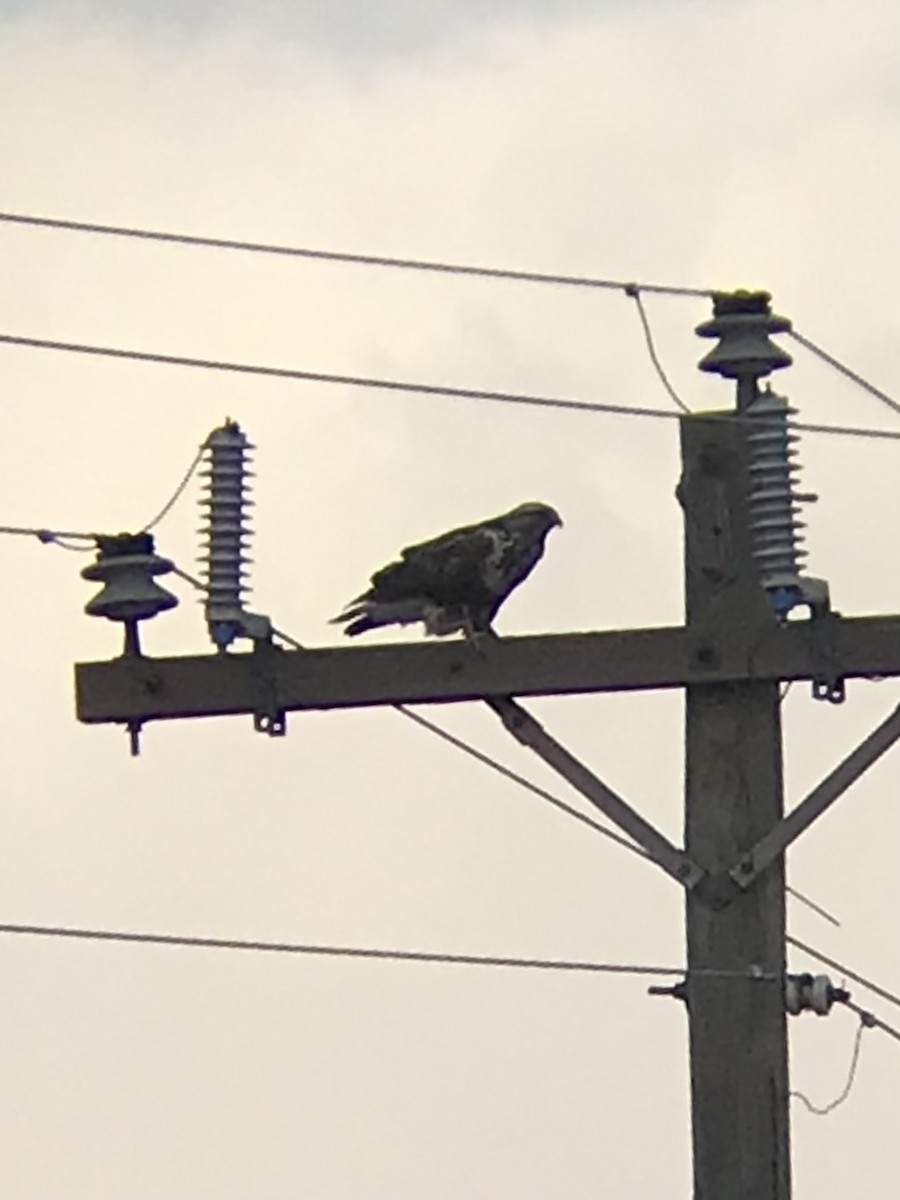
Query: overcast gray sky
{"points": [[743, 143]]}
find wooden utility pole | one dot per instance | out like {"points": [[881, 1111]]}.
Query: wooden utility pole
{"points": [[733, 796], [729, 656]]}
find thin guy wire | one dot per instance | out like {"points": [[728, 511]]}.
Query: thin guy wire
{"points": [[634, 292], [473, 960], [848, 372], [830, 962], [851, 1075], [508, 773], [428, 389], [372, 260], [871, 1020]]}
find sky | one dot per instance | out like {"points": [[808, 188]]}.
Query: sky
{"points": [[742, 143]]}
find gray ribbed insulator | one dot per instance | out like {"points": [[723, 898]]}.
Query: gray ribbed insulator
{"points": [[226, 529], [774, 502]]}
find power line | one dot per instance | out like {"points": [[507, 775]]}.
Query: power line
{"points": [[428, 389], [830, 962], [521, 780], [473, 960], [70, 540], [843, 369], [871, 1020], [811, 904], [371, 260], [629, 288]]}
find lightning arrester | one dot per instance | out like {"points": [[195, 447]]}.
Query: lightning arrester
{"points": [[226, 531], [742, 325]]}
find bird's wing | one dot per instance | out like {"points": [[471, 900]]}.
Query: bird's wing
{"points": [[447, 567]]}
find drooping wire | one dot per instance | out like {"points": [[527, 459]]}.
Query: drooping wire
{"points": [[846, 371], [851, 1075], [371, 260], [427, 389], [86, 542], [634, 291], [830, 962], [177, 494]]}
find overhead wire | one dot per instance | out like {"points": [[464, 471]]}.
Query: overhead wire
{"points": [[330, 951], [844, 970], [428, 389], [72, 541], [844, 370], [521, 780], [871, 1020], [339, 256], [627, 287], [47, 536]]}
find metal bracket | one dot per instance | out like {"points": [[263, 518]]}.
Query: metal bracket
{"points": [[828, 681], [832, 787], [268, 716], [678, 991], [829, 688], [525, 729]]}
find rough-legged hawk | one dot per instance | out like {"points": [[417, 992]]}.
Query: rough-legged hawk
{"points": [[457, 581]]}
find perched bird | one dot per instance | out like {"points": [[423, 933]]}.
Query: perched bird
{"points": [[457, 581]]}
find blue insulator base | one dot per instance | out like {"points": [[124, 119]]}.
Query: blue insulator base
{"points": [[783, 599], [223, 633]]}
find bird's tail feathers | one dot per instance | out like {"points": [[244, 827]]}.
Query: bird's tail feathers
{"points": [[364, 614]]}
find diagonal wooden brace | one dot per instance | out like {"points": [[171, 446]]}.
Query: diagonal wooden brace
{"points": [[531, 733], [780, 836]]}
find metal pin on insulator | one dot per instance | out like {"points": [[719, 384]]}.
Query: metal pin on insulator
{"points": [[226, 531], [774, 502]]}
